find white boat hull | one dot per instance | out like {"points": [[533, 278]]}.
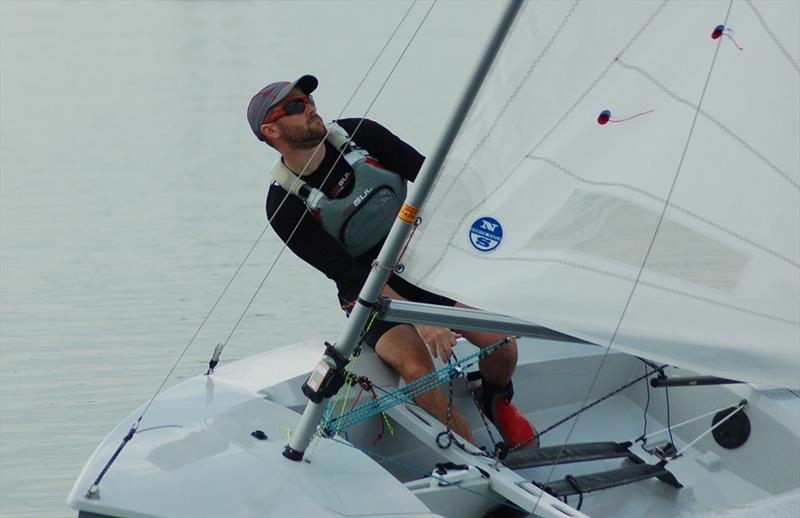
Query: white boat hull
{"points": [[194, 453]]}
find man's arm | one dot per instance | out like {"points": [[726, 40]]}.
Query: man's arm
{"points": [[316, 247], [391, 151], [313, 245]]}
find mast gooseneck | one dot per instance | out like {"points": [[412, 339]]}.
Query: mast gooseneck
{"points": [[327, 377]]}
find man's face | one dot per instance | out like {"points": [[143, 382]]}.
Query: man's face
{"points": [[302, 130]]}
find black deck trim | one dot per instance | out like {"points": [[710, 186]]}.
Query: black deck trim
{"points": [[580, 452], [608, 479]]}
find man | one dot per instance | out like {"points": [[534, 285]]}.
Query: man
{"points": [[354, 191]]}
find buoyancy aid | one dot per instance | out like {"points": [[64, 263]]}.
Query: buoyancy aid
{"points": [[361, 219]]}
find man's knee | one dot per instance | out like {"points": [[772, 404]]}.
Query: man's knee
{"points": [[511, 347], [404, 351], [413, 369], [507, 353]]}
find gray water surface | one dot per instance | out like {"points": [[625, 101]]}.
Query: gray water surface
{"points": [[131, 189]]}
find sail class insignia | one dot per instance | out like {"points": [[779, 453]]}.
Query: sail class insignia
{"points": [[486, 234]]}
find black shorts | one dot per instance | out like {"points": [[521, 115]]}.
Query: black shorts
{"points": [[409, 292]]}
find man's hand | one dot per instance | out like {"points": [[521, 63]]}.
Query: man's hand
{"points": [[440, 340]]}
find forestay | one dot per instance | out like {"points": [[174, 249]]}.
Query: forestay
{"points": [[604, 124]]}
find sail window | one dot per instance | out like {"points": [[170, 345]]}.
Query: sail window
{"points": [[616, 229]]}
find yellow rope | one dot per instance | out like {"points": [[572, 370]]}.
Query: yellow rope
{"points": [[318, 434], [286, 430], [388, 424]]}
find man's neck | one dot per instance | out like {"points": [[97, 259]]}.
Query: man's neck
{"points": [[304, 162]]}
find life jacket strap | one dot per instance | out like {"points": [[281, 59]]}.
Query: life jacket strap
{"points": [[340, 140]]}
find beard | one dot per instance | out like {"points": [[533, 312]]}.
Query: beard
{"points": [[307, 136]]}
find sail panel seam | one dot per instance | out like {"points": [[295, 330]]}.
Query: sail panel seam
{"points": [[558, 123], [716, 122], [502, 112], [678, 208], [672, 186], [631, 279], [638, 281], [774, 37]]}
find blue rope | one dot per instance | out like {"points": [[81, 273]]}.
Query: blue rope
{"points": [[409, 391], [94, 489]]}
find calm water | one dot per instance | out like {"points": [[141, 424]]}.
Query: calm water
{"points": [[131, 188]]}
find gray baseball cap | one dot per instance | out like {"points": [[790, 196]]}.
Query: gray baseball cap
{"points": [[270, 96]]}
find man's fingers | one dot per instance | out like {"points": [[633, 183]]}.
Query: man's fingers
{"points": [[445, 352], [440, 341]]}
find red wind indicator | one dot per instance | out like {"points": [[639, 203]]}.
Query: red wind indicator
{"points": [[605, 117], [720, 31]]}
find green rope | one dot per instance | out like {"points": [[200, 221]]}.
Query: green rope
{"points": [[350, 378], [331, 409], [387, 423]]}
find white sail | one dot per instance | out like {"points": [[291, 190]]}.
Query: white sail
{"points": [[544, 213]]}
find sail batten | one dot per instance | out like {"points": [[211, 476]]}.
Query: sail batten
{"points": [[560, 187]]}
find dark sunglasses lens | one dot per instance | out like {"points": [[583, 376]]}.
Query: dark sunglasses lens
{"points": [[294, 107]]}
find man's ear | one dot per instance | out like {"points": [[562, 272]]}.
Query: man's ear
{"points": [[269, 131]]}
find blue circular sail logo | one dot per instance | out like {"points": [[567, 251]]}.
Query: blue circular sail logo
{"points": [[486, 234]]}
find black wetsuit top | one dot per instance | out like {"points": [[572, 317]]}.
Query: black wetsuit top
{"points": [[310, 242]]}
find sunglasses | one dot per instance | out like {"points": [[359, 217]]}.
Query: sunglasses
{"points": [[291, 107]]}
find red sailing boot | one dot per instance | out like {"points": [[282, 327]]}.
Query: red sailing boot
{"points": [[515, 428]]}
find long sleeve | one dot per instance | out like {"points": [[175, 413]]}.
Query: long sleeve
{"points": [[310, 241], [313, 245], [392, 152]]}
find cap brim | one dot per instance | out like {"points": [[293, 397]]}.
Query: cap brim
{"points": [[306, 83]]}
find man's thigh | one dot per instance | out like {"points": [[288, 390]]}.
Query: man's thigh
{"points": [[403, 349]]}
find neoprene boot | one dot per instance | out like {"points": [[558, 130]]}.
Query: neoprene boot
{"points": [[515, 428]]}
